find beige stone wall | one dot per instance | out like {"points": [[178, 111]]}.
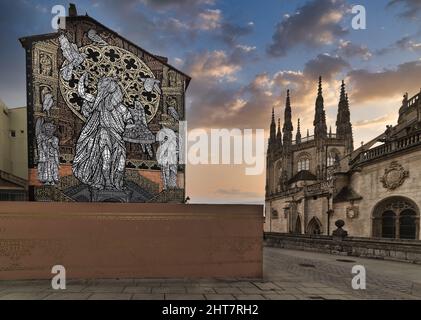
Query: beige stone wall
{"points": [[13, 150], [367, 183], [18, 144], [306, 208], [5, 163], [276, 225], [318, 208]]}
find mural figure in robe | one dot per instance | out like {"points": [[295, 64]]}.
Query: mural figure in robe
{"points": [[100, 158], [167, 157], [48, 152]]}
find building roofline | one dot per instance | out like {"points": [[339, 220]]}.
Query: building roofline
{"points": [[24, 42]]}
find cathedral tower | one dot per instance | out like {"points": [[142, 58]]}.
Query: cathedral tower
{"points": [[320, 128], [343, 121], [288, 128]]}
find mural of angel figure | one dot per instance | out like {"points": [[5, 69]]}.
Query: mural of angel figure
{"points": [[48, 153], [139, 131], [172, 105], [167, 157], [150, 84], [47, 100], [94, 37], [72, 55], [100, 157]]}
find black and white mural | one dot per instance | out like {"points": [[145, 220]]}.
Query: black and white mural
{"points": [[105, 118]]}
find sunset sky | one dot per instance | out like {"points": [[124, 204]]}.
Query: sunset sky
{"points": [[243, 55]]}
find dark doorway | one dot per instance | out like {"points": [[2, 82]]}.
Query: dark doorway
{"points": [[388, 224], [407, 225]]}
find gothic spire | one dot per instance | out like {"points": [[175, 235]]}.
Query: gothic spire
{"points": [[272, 137], [320, 128], [288, 128], [298, 136], [279, 133], [343, 120]]}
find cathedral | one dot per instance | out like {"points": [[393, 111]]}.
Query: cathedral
{"points": [[315, 180]]}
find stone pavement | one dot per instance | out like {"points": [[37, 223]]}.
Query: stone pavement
{"points": [[288, 275]]}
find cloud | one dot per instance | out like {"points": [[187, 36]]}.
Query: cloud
{"points": [[213, 65], [376, 121], [385, 84], [209, 19], [230, 32], [325, 65], [237, 193], [183, 6], [412, 8], [316, 23], [405, 43], [216, 103], [350, 50]]}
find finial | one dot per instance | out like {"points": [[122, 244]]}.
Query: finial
{"points": [[330, 132], [308, 133], [273, 115]]}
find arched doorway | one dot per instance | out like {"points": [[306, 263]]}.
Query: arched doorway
{"points": [[396, 218], [314, 226]]}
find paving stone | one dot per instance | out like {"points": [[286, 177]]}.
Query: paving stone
{"points": [[69, 289], [313, 285], [331, 291], [287, 284], [250, 297], [169, 290], [68, 296], [311, 290], [229, 290], [171, 296], [23, 296], [104, 289], [335, 297], [266, 285], [200, 290], [290, 291], [137, 290], [113, 282], [219, 297], [110, 296], [26, 289], [145, 296], [273, 296], [215, 284], [254, 290], [243, 284]]}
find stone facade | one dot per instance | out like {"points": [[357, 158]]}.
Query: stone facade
{"points": [[375, 189]]}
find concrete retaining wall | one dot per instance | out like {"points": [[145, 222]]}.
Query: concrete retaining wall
{"points": [[107, 240]]}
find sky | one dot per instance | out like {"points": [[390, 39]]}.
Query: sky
{"points": [[243, 55]]}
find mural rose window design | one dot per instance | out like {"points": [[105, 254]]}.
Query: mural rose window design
{"points": [[114, 62]]}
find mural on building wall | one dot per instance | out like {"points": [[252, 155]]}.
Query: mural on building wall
{"points": [[106, 118]]}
